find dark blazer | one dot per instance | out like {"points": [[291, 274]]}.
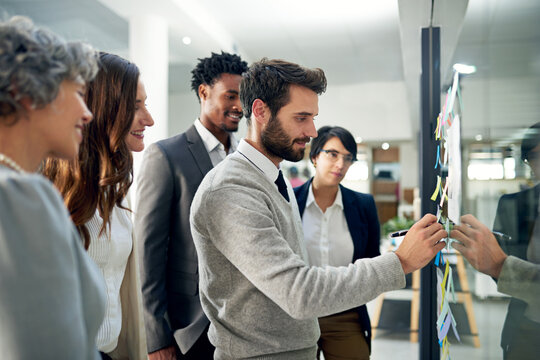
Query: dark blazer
{"points": [[363, 223], [171, 172], [516, 216]]}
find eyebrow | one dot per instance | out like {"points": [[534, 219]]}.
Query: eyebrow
{"points": [[305, 113], [233, 91]]}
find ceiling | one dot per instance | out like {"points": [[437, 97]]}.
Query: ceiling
{"points": [[502, 38], [368, 49]]}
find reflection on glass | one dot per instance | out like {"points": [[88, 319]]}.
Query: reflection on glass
{"points": [[509, 165], [517, 218], [500, 102], [495, 163], [485, 170]]}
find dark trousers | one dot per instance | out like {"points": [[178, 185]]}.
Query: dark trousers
{"points": [[342, 337], [104, 356], [201, 350]]}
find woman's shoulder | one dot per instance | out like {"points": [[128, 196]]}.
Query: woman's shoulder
{"points": [[23, 183], [35, 225], [29, 189], [346, 192], [302, 189], [30, 205]]}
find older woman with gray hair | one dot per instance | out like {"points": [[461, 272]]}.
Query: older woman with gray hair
{"points": [[52, 296]]}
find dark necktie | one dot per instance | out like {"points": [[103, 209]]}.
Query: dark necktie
{"points": [[282, 187]]}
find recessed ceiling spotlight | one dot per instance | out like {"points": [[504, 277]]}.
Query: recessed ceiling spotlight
{"points": [[478, 137], [464, 69], [186, 40], [359, 139], [385, 146]]}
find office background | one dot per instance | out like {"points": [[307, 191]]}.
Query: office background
{"points": [[371, 53]]}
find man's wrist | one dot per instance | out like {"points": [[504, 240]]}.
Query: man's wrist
{"points": [[496, 273], [406, 268]]}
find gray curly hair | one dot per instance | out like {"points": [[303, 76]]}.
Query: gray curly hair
{"points": [[35, 61]]}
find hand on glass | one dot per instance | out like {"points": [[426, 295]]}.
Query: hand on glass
{"points": [[478, 245], [421, 243]]}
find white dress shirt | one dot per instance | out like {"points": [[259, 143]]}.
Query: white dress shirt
{"points": [[215, 148], [264, 164], [327, 236], [110, 252]]}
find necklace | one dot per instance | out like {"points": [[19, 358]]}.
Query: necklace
{"points": [[10, 163]]}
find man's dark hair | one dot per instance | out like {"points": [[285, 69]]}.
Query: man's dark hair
{"points": [[530, 141], [326, 133], [208, 70], [269, 81]]}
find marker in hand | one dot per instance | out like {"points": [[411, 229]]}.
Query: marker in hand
{"points": [[399, 233]]}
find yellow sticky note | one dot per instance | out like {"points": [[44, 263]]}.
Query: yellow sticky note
{"points": [[436, 192]]}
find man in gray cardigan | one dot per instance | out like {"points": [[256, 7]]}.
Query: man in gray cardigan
{"points": [[261, 297]]}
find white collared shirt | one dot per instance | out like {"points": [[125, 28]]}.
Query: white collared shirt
{"points": [[264, 164], [215, 148], [327, 237], [110, 251]]}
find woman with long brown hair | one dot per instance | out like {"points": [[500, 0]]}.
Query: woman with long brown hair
{"points": [[95, 187]]}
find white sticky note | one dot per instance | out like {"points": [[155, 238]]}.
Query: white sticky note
{"points": [[454, 170]]}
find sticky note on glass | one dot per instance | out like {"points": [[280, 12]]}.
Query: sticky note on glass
{"points": [[436, 192]]}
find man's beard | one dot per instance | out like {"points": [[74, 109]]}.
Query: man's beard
{"points": [[230, 129], [276, 141]]}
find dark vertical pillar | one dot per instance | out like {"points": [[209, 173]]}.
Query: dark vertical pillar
{"points": [[431, 104]]}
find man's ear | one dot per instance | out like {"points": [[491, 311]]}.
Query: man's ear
{"points": [[203, 91], [260, 111]]}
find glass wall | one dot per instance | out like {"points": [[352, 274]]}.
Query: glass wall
{"points": [[500, 170]]}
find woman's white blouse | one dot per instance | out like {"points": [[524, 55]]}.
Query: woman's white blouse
{"points": [[110, 251], [327, 236]]}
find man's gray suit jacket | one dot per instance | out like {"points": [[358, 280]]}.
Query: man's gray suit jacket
{"points": [[171, 172]]}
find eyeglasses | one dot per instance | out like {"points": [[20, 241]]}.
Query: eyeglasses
{"points": [[333, 156]]}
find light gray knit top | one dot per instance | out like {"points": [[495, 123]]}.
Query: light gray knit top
{"points": [[52, 296], [261, 297]]}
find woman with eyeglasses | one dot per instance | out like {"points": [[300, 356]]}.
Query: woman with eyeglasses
{"points": [[340, 226]]}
